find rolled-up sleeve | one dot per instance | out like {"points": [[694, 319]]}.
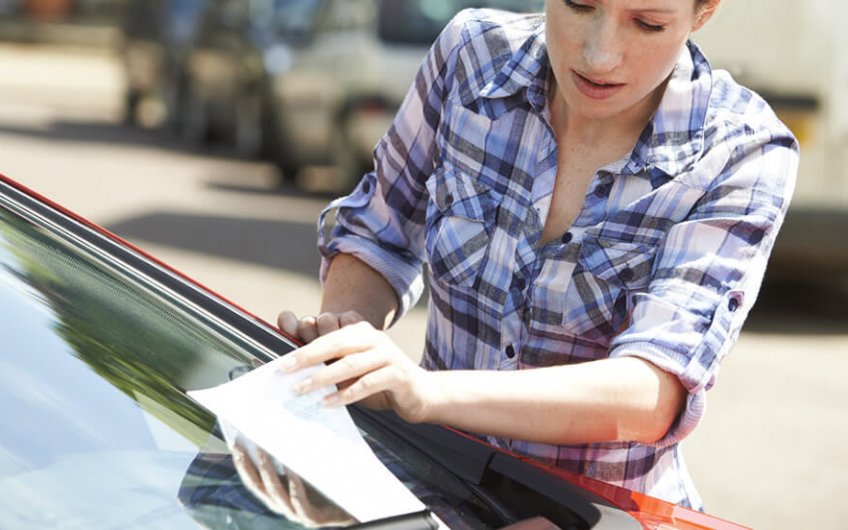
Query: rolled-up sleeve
{"points": [[382, 221], [709, 268]]}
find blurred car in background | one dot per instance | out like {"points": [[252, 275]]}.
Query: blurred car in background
{"points": [[156, 37], [101, 343], [348, 75], [10, 7], [311, 82], [30, 20], [228, 72]]}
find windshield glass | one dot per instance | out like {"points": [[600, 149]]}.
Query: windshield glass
{"points": [[94, 365]]}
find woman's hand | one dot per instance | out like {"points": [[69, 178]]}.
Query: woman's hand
{"points": [[307, 329], [367, 366]]}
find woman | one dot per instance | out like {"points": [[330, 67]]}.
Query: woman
{"points": [[595, 206]]}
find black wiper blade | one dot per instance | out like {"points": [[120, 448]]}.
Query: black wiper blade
{"points": [[465, 458], [487, 471]]}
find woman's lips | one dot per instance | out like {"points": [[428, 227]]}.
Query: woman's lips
{"points": [[594, 89]]}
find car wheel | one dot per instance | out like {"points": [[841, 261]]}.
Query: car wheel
{"points": [[132, 99], [248, 132], [349, 163], [175, 100], [195, 122], [170, 123], [276, 148]]}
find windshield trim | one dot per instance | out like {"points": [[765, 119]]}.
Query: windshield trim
{"points": [[163, 280]]}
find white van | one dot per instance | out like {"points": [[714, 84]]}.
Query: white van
{"points": [[795, 54]]}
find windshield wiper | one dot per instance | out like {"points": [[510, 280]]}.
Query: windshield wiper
{"points": [[511, 487]]}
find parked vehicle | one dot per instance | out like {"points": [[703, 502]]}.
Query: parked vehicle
{"points": [[10, 7], [310, 82], [798, 61], [241, 45], [100, 344], [156, 37], [348, 74]]}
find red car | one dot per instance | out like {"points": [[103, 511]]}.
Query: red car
{"points": [[101, 342]]}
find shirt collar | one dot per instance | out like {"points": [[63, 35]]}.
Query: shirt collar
{"points": [[674, 138], [526, 69]]}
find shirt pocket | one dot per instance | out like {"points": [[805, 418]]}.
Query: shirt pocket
{"points": [[461, 214], [607, 275]]}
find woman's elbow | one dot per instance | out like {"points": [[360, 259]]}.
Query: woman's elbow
{"points": [[661, 408]]}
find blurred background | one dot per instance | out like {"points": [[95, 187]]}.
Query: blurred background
{"points": [[211, 133]]}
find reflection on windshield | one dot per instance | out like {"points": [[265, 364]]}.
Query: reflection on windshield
{"points": [[216, 498], [127, 336], [94, 366], [215, 494], [92, 370]]}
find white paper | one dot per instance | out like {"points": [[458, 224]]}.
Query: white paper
{"points": [[320, 444]]}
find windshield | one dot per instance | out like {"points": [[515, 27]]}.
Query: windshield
{"points": [[94, 365], [420, 21]]}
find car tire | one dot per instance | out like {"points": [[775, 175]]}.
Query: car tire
{"points": [[349, 163], [248, 130], [175, 99], [195, 130], [276, 147], [132, 100]]}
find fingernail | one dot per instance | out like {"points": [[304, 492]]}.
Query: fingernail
{"points": [[331, 401], [288, 363]]}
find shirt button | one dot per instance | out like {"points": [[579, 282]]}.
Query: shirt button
{"points": [[449, 199], [519, 283], [603, 190], [566, 238], [733, 304], [626, 275], [510, 352]]}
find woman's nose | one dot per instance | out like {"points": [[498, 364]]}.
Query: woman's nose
{"points": [[603, 50]]}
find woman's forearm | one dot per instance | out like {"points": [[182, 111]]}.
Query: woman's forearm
{"points": [[352, 285], [624, 399]]}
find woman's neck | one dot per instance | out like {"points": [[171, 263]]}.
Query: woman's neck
{"points": [[622, 128]]}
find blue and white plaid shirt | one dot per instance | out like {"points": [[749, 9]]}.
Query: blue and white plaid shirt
{"points": [[663, 262]]}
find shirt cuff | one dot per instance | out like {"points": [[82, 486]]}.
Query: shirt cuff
{"points": [[696, 399]]}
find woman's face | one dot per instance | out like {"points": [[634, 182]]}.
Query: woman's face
{"points": [[610, 56]]}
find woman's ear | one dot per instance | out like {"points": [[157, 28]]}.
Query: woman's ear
{"points": [[705, 13]]}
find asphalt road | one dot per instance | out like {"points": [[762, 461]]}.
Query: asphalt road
{"points": [[770, 453]]}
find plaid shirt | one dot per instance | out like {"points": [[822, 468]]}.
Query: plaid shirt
{"points": [[663, 262]]}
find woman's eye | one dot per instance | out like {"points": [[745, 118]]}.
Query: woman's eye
{"points": [[580, 8], [647, 26]]}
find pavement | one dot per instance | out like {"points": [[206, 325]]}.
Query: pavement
{"points": [[769, 454]]}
